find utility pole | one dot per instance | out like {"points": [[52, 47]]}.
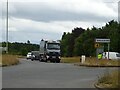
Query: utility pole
{"points": [[108, 50], [7, 29]]}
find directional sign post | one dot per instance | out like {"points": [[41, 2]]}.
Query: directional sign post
{"points": [[98, 40], [102, 40]]}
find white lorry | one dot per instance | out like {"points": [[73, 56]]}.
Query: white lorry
{"points": [[49, 51], [112, 55]]}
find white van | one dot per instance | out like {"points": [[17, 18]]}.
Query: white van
{"points": [[112, 55]]}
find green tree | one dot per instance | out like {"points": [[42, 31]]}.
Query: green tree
{"points": [[81, 41], [68, 41]]}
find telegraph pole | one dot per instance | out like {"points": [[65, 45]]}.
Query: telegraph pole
{"points": [[7, 29]]}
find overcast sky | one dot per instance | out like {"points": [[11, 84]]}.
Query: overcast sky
{"points": [[47, 19]]}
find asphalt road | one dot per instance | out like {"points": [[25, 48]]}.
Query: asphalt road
{"points": [[35, 74]]}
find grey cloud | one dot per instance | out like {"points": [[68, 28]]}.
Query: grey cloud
{"points": [[40, 12], [51, 15], [43, 13]]}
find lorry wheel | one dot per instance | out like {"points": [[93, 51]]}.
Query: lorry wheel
{"points": [[58, 61], [39, 60], [52, 61], [45, 59]]}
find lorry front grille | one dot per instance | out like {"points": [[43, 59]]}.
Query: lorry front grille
{"points": [[53, 53]]}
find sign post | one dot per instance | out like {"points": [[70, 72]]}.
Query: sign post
{"points": [[108, 50], [102, 40], [98, 40], [7, 29]]}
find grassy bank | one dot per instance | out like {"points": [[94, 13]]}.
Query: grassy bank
{"points": [[109, 80], [7, 60], [70, 59], [103, 62], [91, 61]]}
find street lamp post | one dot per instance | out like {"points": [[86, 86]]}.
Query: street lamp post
{"points": [[7, 29]]}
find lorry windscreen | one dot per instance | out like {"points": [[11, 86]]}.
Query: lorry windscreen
{"points": [[53, 46], [118, 55]]}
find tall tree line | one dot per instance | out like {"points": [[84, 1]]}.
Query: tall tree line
{"points": [[81, 41]]}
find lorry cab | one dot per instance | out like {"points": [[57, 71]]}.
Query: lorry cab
{"points": [[50, 51]]}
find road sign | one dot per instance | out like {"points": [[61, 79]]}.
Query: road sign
{"points": [[97, 45], [99, 40], [102, 40]]}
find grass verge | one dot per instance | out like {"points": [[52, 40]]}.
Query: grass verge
{"points": [[70, 59], [109, 80], [91, 61], [7, 60], [103, 62]]}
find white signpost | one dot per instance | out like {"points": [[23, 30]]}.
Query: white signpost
{"points": [[98, 40], [102, 40]]}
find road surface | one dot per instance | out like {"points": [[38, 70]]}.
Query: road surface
{"points": [[35, 74]]}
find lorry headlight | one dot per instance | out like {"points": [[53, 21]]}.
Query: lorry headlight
{"points": [[59, 57]]}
